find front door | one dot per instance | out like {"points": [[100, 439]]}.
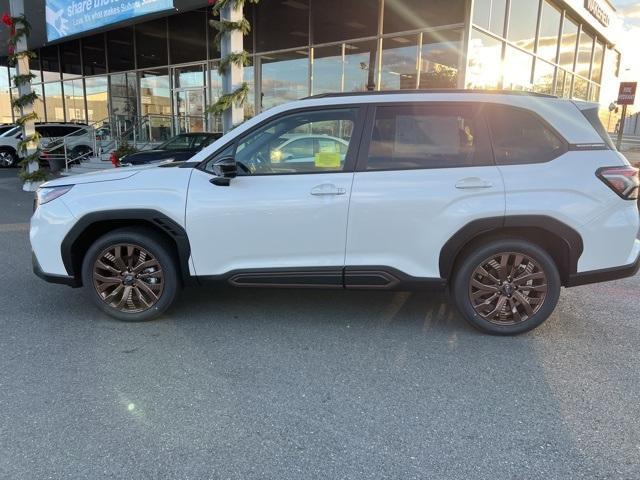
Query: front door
{"points": [[427, 172], [279, 222]]}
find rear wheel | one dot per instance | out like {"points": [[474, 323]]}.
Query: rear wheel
{"points": [[507, 287], [8, 158], [131, 274]]}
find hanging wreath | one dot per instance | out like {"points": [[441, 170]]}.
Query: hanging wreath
{"points": [[20, 28], [239, 95]]}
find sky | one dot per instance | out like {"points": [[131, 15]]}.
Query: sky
{"points": [[630, 41]]}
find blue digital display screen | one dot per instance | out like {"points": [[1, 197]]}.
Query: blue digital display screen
{"points": [[70, 17]]}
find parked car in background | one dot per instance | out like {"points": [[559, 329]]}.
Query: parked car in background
{"points": [[495, 197], [179, 148], [53, 137]]}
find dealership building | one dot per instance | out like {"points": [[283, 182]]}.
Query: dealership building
{"points": [[125, 62]]}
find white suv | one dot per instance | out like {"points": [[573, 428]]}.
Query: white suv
{"points": [[502, 198]]}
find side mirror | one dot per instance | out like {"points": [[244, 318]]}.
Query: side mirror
{"points": [[224, 170]]}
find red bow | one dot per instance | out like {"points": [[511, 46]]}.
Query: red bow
{"points": [[7, 20]]}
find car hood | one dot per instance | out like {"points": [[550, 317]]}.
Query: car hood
{"points": [[99, 176]]}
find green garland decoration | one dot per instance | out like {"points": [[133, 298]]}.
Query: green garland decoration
{"points": [[225, 26], [19, 28], [24, 100], [226, 101], [239, 95], [22, 79], [240, 59], [220, 4]]}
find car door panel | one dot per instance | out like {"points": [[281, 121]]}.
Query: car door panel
{"points": [[400, 214]]}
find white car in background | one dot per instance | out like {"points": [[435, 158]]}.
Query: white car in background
{"points": [[501, 198]]}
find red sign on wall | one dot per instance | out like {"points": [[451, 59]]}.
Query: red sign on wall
{"points": [[627, 93]]}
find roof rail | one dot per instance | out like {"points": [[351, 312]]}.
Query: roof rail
{"points": [[433, 90]]}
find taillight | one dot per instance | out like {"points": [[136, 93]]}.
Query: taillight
{"points": [[622, 180]]}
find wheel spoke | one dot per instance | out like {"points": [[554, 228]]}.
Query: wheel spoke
{"points": [[508, 288], [121, 274]]}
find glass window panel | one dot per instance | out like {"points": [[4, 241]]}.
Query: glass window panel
{"points": [[402, 15], [151, 43], [327, 70], [285, 77], [337, 20], [120, 49], [281, 24], [359, 66], [596, 69], [53, 102], [441, 51], [34, 67], [594, 93], [421, 136], [191, 76], [568, 80], [543, 77], [70, 59], [519, 137], [517, 76], [50, 63], [74, 100], [250, 104], [399, 63], [549, 32], [38, 105], [585, 49], [187, 32], [485, 61], [124, 100], [155, 102], [490, 15], [568, 44], [283, 147], [155, 98], [560, 76], [93, 55], [97, 93], [580, 88], [5, 96], [523, 17]]}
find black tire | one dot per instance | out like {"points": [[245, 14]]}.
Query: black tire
{"points": [[8, 157], [154, 245], [514, 319]]}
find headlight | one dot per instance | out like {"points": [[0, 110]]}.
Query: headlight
{"points": [[46, 194]]}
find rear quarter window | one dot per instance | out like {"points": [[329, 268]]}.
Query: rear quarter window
{"points": [[520, 137]]}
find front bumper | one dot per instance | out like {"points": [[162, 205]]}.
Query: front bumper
{"points": [[605, 274], [58, 279]]}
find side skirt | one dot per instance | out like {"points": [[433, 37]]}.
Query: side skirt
{"points": [[360, 278]]}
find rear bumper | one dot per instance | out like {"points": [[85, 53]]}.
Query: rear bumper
{"points": [[605, 274], [58, 279]]}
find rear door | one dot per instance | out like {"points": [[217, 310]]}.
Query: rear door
{"points": [[424, 171]]}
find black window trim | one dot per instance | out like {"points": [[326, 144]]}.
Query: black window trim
{"points": [[367, 134], [352, 153], [565, 145]]}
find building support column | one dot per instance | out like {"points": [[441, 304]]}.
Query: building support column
{"points": [[232, 79], [16, 7]]}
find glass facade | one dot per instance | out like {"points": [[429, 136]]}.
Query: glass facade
{"points": [[161, 75], [544, 49]]}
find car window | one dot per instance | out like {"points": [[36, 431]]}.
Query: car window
{"points": [[519, 137], [296, 149], [58, 130], [427, 136], [286, 145], [181, 142]]}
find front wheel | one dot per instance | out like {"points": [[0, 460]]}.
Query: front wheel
{"points": [[507, 287], [131, 274], [8, 158]]}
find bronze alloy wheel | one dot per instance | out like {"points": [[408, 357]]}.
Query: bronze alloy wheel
{"points": [[128, 278], [508, 288]]}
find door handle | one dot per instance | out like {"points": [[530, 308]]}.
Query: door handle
{"points": [[327, 189], [473, 182]]}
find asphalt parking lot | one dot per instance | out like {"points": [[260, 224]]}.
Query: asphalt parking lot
{"points": [[277, 384]]}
